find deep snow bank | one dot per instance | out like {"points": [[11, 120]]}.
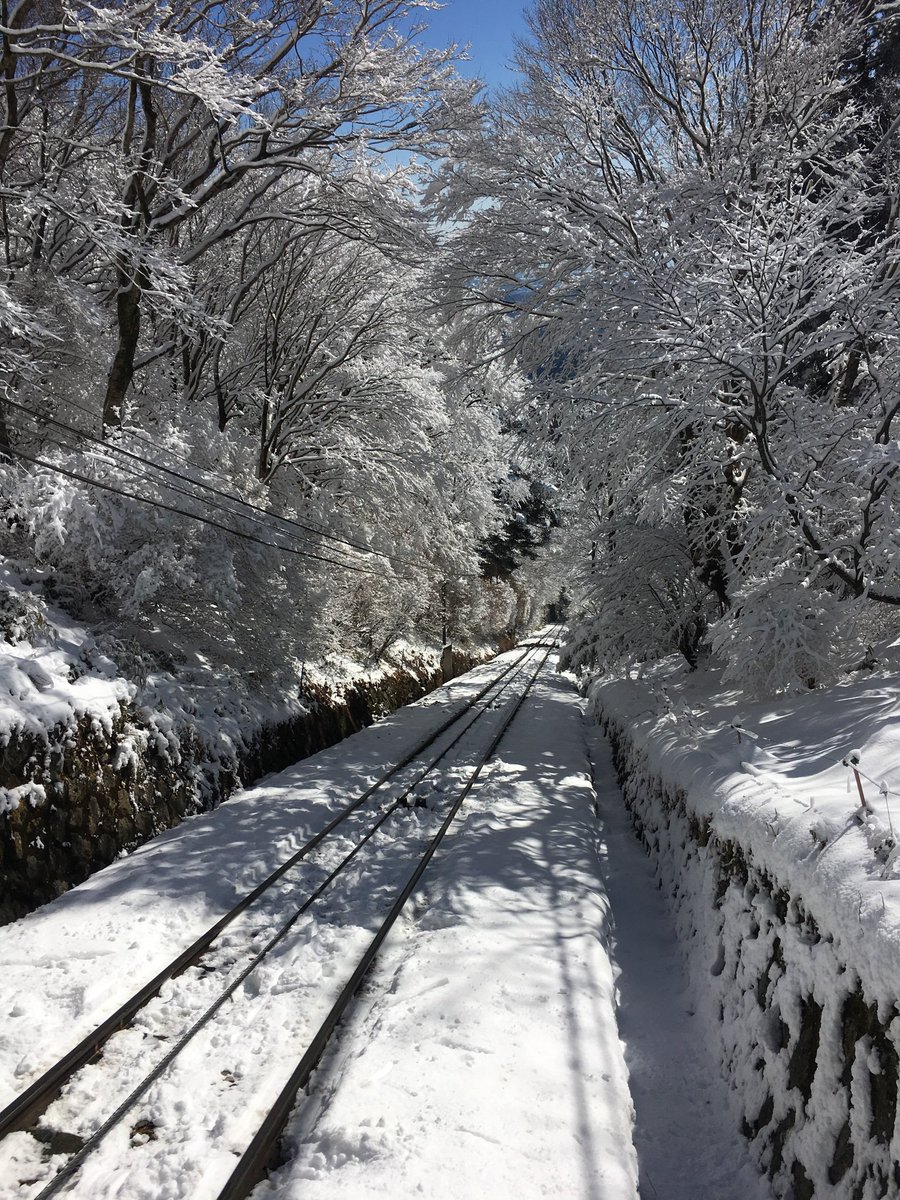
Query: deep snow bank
{"points": [[788, 904]]}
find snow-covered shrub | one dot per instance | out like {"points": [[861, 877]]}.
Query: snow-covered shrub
{"points": [[368, 617], [641, 600], [787, 633], [21, 615], [106, 547]]}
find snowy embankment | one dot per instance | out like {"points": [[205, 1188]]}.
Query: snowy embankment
{"points": [[787, 899]]}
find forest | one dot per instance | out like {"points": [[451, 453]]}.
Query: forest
{"points": [[332, 380], [311, 350]]}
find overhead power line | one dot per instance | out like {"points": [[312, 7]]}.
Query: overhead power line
{"points": [[108, 487], [143, 475], [255, 513], [306, 527]]}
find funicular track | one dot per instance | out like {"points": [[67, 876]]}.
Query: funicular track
{"points": [[25, 1111]]}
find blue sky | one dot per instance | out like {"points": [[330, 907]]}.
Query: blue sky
{"points": [[489, 25]]}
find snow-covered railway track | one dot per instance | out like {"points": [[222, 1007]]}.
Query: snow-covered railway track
{"points": [[263, 1152], [173, 1018], [22, 1111]]}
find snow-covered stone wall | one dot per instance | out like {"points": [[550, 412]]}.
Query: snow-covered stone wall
{"points": [[75, 796], [801, 993]]}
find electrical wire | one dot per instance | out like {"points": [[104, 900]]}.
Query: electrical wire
{"points": [[139, 437], [68, 446], [112, 446], [108, 487]]}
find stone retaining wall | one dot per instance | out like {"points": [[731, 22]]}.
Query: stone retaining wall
{"points": [[813, 1056], [103, 792]]}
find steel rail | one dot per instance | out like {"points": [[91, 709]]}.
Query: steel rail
{"points": [[21, 1112], [54, 1184], [258, 1159]]}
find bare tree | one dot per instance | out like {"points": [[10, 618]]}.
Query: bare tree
{"points": [[687, 230], [193, 108]]}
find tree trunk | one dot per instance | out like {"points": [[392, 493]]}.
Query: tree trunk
{"points": [[121, 373], [130, 274], [262, 463], [519, 620], [6, 450]]}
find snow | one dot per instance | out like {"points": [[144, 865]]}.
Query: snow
{"points": [[45, 679], [784, 792], [784, 891], [685, 1136], [494, 1066], [94, 944], [11, 798], [483, 1055], [54, 672]]}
